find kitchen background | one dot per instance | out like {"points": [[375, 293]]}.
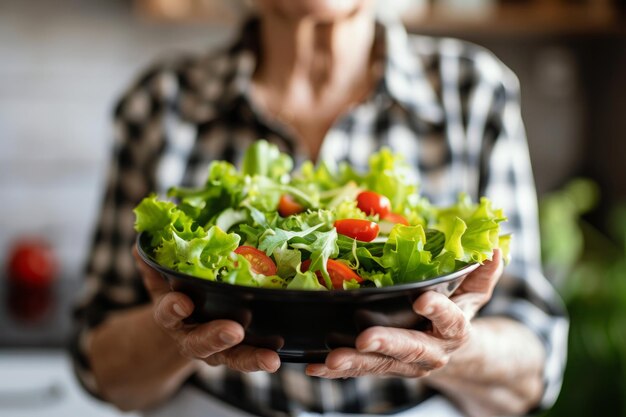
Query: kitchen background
{"points": [[64, 62]]}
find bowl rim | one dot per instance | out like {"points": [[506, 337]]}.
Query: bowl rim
{"points": [[306, 293]]}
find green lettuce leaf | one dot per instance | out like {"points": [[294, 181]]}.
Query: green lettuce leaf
{"points": [[446, 263], [199, 256], [219, 247], [472, 231], [453, 228], [305, 281], [274, 238], [404, 254], [315, 179], [240, 274], [265, 160], [323, 248], [222, 190], [229, 218], [272, 281], [351, 284], [152, 215], [287, 261], [380, 279], [482, 234]]}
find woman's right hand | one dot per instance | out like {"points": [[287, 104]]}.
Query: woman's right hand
{"points": [[216, 342]]}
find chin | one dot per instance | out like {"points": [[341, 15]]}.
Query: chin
{"points": [[321, 10]]}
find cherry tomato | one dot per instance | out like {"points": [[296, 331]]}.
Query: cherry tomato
{"points": [[339, 272], [288, 206], [363, 230], [396, 218], [373, 203], [259, 261]]}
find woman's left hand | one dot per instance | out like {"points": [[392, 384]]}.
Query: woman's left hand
{"points": [[385, 351]]}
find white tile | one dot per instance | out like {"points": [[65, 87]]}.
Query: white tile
{"points": [[63, 216], [53, 129]]}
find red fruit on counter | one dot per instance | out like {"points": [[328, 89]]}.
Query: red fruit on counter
{"points": [[32, 262]]}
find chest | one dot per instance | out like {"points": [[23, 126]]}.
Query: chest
{"points": [[350, 139]]}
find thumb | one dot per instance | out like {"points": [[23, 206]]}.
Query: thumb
{"points": [[485, 277], [477, 288], [153, 281]]}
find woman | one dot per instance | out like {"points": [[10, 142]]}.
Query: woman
{"points": [[323, 79]]}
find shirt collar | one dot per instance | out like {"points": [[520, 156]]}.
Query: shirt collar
{"points": [[405, 80]]}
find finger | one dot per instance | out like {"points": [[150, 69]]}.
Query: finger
{"points": [[351, 363], [485, 277], [171, 309], [407, 346], [207, 339], [470, 303], [448, 320], [152, 280], [477, 289], [246, 358]]}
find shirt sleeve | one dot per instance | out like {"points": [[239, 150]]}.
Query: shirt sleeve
{"points": [[523, 293], [111, 280]]}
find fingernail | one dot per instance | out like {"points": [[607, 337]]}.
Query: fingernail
{"points": [[179, 310], [315, 371], [372, 347], [228, 338], [429, 310]]}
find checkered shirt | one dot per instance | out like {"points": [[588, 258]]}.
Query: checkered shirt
{"points": [[451, 108]]}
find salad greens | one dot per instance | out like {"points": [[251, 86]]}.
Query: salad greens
{"points": [[267, 226]]}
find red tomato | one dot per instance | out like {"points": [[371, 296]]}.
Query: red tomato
{"points": [[32, 262], [288, 206], [259, 261], [373, 203], [339, 272], [396, 218], [363, 230]]}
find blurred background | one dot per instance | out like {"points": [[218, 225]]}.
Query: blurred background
{"points": [[64, 62]]}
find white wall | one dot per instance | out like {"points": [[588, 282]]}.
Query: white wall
{"points": [[62, 64]]}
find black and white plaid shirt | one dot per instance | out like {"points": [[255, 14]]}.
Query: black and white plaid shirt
{"points": [[451, 108]]}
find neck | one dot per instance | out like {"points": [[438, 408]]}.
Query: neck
{"points": [[303, 54]]}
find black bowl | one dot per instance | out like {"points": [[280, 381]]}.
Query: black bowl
{"points": [[303, 326]]}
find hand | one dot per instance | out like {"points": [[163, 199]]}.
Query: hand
{"points": [[216, 342], [385, 351]]}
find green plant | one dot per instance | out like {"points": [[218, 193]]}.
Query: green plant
{"points": [[589, 268]]}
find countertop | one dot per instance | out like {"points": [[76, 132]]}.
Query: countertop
{"points": [[40, 382], [37, 318]]}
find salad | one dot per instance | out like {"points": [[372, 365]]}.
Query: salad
{"points": [[317, 228]]}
